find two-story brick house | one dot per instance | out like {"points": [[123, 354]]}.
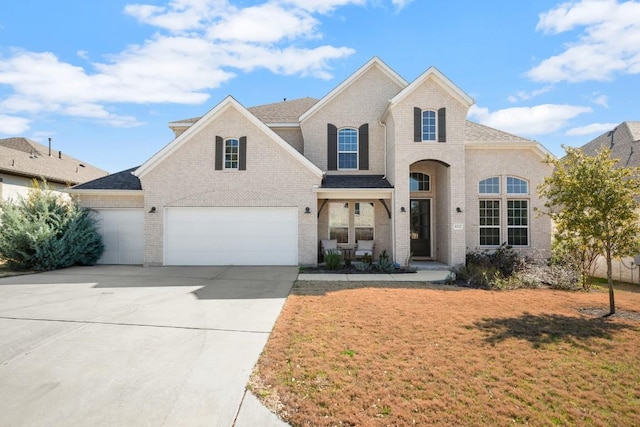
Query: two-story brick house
{"points": [[377, 158]]}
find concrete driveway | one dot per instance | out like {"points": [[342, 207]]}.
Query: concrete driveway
{"points": [[134, 346]]}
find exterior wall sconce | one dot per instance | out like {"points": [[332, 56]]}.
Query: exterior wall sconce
{"points": [[458, 210], [152, 210], [402, 209], [307, 210]]}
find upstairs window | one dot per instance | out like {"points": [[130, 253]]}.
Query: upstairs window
{"points": [[348, 148], [419, 181], [231, 153], [429, 125]]}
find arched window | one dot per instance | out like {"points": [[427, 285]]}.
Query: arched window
{"points": [[348, 148], [419, 181], [489, 186], [231, 153], [517, 186], [429, 125]]}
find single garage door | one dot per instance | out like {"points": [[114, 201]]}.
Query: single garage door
{"points": [[231, 236], [123, 235]]}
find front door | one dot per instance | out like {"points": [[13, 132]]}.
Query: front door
{"points": [[421, 227]]}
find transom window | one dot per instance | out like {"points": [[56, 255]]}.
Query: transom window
{"points": [[489, 222], [489, 186], [517, 186], [348, 148], [339, 221], [231, 154], [419, 181], [428, 125]]}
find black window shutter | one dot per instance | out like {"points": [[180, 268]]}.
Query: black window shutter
{"points": [[417, 124], [219, 152], [242, 154], [332, 147], [442, 125], [363, 147]]}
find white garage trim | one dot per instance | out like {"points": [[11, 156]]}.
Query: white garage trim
{"points": [[122, 232], [231, 236]]}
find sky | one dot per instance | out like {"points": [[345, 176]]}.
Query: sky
{"points": [[103, 79]]}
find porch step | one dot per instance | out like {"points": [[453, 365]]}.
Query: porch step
{"points": [[430, 265]]}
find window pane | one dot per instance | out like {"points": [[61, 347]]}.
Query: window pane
{"points": [[517, 222], [341, 234], [490, 237], [428, 125], [364, 233], [489, 186], [517, 186], [419, 182], [347, 148], [518, 236], [231, 154]]}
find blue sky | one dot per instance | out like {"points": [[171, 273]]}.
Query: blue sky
{"points": [[103, 78]]}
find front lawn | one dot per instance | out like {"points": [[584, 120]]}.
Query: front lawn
{"points": [[401, 354]]}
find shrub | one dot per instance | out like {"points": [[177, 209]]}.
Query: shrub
{"points": [[385, 263], [333, 259], [45, 231]]}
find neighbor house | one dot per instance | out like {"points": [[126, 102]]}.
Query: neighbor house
{"points": [[23, 160], [624, 143], [377, 158]]}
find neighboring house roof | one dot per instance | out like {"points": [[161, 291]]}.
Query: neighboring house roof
{"points": [[27, 158], [284, 112], [623, 141], [228, 102], [355, 181], [123, 180]]}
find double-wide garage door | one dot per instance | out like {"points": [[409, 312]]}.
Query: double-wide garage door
{"points": [[231, 236], [122, 232]]}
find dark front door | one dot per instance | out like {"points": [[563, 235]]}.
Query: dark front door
{"points": [[421, 227]]}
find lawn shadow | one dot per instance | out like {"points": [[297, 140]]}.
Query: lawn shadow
{"points": [[318, 288], [549, 329]]}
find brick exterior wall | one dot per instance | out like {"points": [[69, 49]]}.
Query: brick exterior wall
{"points": [[106, 201], [188, 178], [485, 163]]}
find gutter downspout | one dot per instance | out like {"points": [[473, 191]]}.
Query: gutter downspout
{"points": [[393, 195]]}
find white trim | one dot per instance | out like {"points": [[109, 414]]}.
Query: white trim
{"points": [[375, 61], [213, 114], [283, 125], [350, 193]]}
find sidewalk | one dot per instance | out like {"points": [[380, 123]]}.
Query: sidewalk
{"points": [[433, 276]]}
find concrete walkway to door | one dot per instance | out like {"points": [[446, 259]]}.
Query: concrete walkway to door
{"points": [[130, 346]]}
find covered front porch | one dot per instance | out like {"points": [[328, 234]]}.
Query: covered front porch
{"points": [[355, 208]]}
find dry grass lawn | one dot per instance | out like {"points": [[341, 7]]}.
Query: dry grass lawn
{"points": [[392, 354]]}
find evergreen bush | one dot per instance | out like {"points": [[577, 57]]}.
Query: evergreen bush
{"points": [[44, 231]]}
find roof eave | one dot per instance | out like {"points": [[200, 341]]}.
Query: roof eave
{"points": [[488, 145], [346, 193], [104, 192]]}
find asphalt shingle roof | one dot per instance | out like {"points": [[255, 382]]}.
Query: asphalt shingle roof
{"points": [[623, 141], [475, 132], [124, 180], [355, 181], [24, 157]]}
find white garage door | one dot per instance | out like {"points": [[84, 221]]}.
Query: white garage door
{"points": [[123, 235], [231, 236]]}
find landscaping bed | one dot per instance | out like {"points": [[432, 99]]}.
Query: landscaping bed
{"points": [[391, 354]]}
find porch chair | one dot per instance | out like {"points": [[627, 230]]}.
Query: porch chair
{"points": [[364, 247], [329, 246]]}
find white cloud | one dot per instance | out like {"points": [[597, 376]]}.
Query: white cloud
{"points": [[609, 43], [594, 128], [399, 4], [537, 120], [11, 125], [200, 45], [601, 100], [523, 96]]}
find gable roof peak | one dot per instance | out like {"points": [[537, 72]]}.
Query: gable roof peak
{"points": [[433, 73], [373, 62]]}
